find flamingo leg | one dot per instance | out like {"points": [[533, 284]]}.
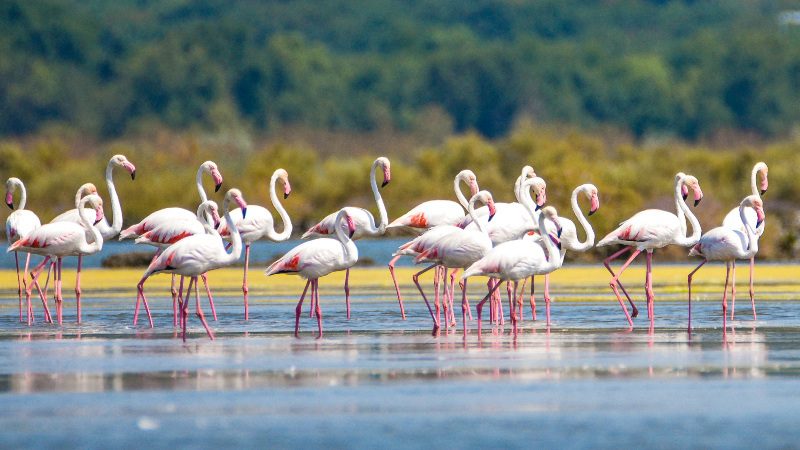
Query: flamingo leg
{"points": [[185, 302], [607, 263], [245, 288], [490, 287], [439, 280], [299, 309], [210, 297], [59, 296], [396, 286], [752, 290], [19, 284], [181, 302], [346, 293], [78, 287], [437, 276], [140, 295], [452, 293], [199, 311], [733, 288], [615, 279], [518, 301], [174, 295], [492, 290], [533, 299], [649, 289], [34, 283], [689, 280], [464, 307], [725, 297], [547, 298], [175, 307], [315, 292], [25, 285], [415, 277], [511, 310]]}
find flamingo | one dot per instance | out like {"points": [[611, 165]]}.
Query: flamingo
{"points": [[169, 233], [196, 255], [726, 244], [458, 249], [57, 240], [363, 219], [733, 222], [314, 259], [651, 229], [430, 214], [569, 232], [516, 260], [19, 224], [259, 224], [107, 231], [167, 215]]}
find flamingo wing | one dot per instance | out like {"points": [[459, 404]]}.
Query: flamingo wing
{"points": [[51, 238], [311, 259], [251, 228], [155, 219], [20, 223], [430, 214], [168, 233]]}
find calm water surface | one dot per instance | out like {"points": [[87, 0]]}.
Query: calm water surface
{"points": [[378, 381]]}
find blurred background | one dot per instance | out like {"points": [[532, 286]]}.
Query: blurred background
{"points": [[622, 94]]}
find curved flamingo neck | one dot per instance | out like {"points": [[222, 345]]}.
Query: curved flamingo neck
{"points": [[116, 208], [200, 189], [752, 242], [460, 195], [276, 203], [97, 244], [587, 227], [683, 209], [23, 194], [753, 179], [483, 228], [348, 245], [378, 228], [553, 262], [203, 216], [236, 238]]}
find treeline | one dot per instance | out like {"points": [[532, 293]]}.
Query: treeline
{"points": [[649, 67], [629, 177]]}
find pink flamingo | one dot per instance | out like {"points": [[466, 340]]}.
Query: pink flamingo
{"points": [[167, 215], [733, 222], [726, 244], [458, 249], [57, 240], [314, 259], [19, 224], [259, 224], [363, 219], [107, 231], [168, 233], [195, 255], [430, 214], [651, 229], [516, 260]]}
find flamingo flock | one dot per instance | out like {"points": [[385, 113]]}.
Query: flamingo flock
{"points": [[507, 243]]}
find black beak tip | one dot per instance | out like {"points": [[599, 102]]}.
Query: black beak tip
{"points": [[491, 216], [385, 182], [244, 213], [96, 222], [763, 191], [133, 175], [216, 188], [538, 207], [216, 225], [685, 196], [10, 205], [697, 202], [285, 195], [560, 230], [758, 223], [592, 211]]}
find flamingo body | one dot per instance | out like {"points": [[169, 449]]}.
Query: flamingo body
{"points": [[648, 229], [427, 215]]}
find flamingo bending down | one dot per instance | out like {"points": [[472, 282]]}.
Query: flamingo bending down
{"points": [[196, 255], [57, 240], [458, 249], [168, 233], [167, 215], [314, 259], [651, 229], [19, 224], [259, 224], [363, 219], [517, 260], [430, 214], [733, 222], [726, 244]]}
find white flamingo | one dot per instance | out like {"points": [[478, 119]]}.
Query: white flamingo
{"points": [[195, 255], [169, 233], [61, 239], [726, 244], [363, 219], [458, 250], [517, 260], [259, 225], [18, 225], [430, 214], [733, 222], [651, 229], [314, 259]]}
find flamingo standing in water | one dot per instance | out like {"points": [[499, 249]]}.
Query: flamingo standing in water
{"points": [[19, 224], [726, 244], [57, 240], [363, 219], [259, 224], [167, 215], [196, 255], [651, 229], [733, 222], [314, 259], [517, 260], [107, 231], [430, 214], [168, 233], [458, 249]]}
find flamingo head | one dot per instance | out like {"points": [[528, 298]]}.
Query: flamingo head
{"points": [[551, 214], [210, 167], [87, 189], [11, 186], [692, 183], [486, 198], [284, 177], [209, 208], [10, 200], [763, 170], [528, 172], [469, 177], [591, 191], [351, 225], [758, 205], [540, 189], [96, 203], [684, 192], [122, 161], [235, 195], [387, 169]]}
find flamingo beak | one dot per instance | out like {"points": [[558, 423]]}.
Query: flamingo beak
{"points": [[595, 205], [351, 227], [492, 211], [10, 200], [555, 241], [760, 217], [242, 204], [217, 179], [98, 212], [216, 218], [473, 187], [133, 174], [684, 192], [698, 195], [287, 189], [130, 168], [541, 198], [764, 184], [387, 177]]}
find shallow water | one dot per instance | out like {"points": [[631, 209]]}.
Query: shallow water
{"points": [[377, 380]]}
